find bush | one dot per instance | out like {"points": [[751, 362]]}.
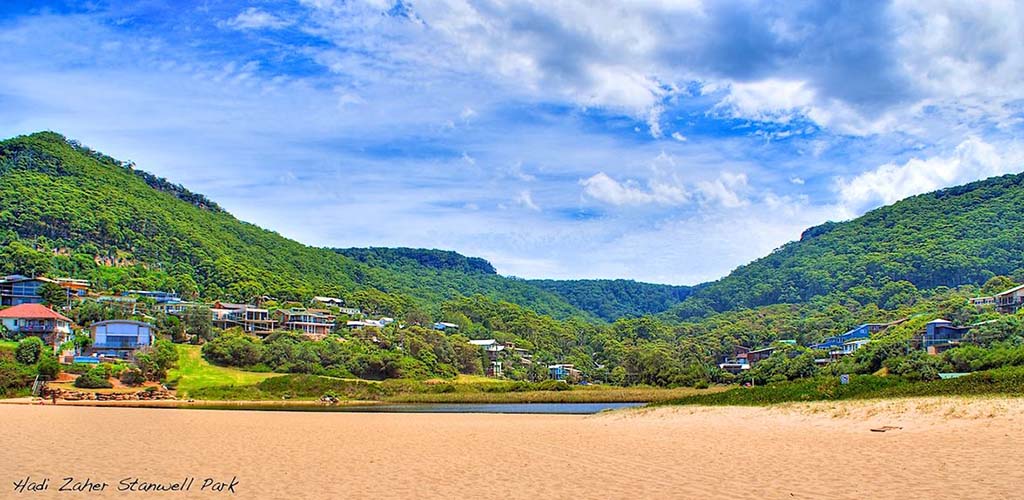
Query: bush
{"points": [[29, 350], [132, 376], [95, 378], [14, 377], [48, 367]]}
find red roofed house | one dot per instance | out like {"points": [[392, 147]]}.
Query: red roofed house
{"points": [[37, 320]]}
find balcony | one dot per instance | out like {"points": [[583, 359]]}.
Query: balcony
{"points": [[117, 345], [38, 328]]}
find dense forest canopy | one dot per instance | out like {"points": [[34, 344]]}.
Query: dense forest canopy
{"points": [[956, 236]]}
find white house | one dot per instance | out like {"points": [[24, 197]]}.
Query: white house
{"points": [[120, 338]]}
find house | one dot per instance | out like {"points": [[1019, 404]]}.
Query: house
{"points": [[160, 297], [1010, 301], [493, 349], [940, 335], [250, 319], [17, 289], [736, 362], [312, 321], [982, 301], [329, 301], [350, 311], [442, 326], [175, 308], [849, 347], [565, 372], [861, 332], [39, 321], [120, 338], [75, 287]]}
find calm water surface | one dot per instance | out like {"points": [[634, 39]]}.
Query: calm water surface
{"points": [[522, 408]]}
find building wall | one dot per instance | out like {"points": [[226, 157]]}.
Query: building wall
{"points": [[113, 333]]}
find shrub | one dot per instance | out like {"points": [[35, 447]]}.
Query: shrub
{"points": [[28, 350], [132, 376], [95, 378], [48, 367]]}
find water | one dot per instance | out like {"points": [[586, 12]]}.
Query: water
{"points": [[534, 408], [505, 408]]}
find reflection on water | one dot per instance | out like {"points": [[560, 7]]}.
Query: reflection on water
{"points": [[522, 408]]}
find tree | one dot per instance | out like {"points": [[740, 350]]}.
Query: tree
{"points": [[29, 350], [997, 284], [53, 294], [196, 321], [156, 360]]}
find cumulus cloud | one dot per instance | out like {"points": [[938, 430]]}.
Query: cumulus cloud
{"points": [[255, 18], [728, 190], [602, 187], [971, 160], [679, 137]]}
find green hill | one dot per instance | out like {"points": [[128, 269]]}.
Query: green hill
{"points": [[68, 210], [956, 236], [614, 299]]}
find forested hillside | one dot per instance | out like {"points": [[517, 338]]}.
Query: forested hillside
{"points": [[961, 235], [613, 299], [67, 210]]}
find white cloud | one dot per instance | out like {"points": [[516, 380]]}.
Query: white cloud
{"points": [[799, 181], [679, 137], [727, 190], [768, 100], [603, 188], [255, 18], [525, 199], [971, 160]]}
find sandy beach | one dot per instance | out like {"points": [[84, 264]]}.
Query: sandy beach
{"points": [[946, 448]]}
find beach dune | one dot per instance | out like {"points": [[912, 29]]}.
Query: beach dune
{"points": [[945, 448]]}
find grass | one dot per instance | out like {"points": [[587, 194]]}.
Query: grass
{"points": [[194, 374], [1007, 381], [311, 387], [576, 395]]}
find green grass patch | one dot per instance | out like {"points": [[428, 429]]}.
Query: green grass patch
{"points": [[1007, 381], [194, 375], [311, 387]]}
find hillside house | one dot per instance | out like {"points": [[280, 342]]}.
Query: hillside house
{"points": [[39, 321], [120, 338], [861, 332], [75, 287], [17, 289], [980, 302], [565, 372], [158, 296], [940, 335], [250, 319], [443, 326], [1010, 301], [312, 321], [329, 301], [492, 348], [737, 361]]}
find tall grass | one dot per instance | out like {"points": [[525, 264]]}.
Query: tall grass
{"points": [[1003, 381]]}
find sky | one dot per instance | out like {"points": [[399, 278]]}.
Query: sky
{"points": [[656, 140]]}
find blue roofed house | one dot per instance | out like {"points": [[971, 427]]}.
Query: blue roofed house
{"points": [[941, 335], [849, 342], [120, 338]]}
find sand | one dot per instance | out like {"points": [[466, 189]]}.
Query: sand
{"points": [[947, 448]]}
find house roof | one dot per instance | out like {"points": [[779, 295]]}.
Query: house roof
{"points": [[1014, 289], [32, 311], [122, 322]]}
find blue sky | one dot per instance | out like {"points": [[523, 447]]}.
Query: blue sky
{"points": [[666, 141]]}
